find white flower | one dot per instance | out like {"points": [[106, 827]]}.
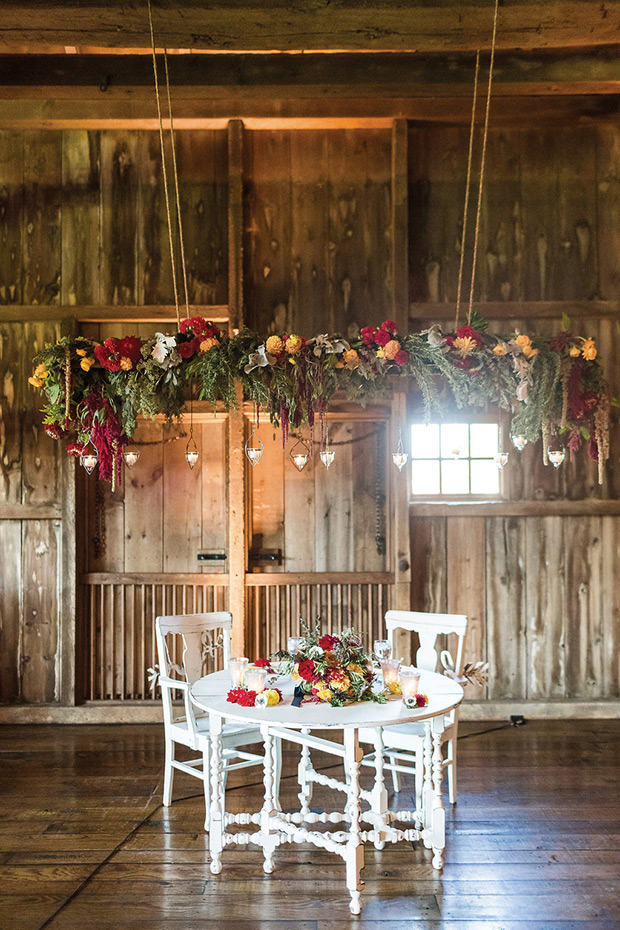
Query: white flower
{"points": [[258, 359], [163, 346], [261, 699], [323, 343], [435, 336], [315, 652]]}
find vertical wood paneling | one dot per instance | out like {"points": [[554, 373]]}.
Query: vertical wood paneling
{"points": [[610, 605], [155, 284], [144, 528], [213, 482], [576, 263], [40, 454], [500, 264], [13, 387], [539, 204], [81, 218], [369, 516], [11, 216], [334, 506], [299, 498], [467, 585], [42, 217], [584, 644], [39, 646], [120, 162], [268, 491], [505, 608], [545, 595], [182, 508], [11, 591]]}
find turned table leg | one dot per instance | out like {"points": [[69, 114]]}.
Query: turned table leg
{"points": [[355, 850], [438, 814], [379, 802], [268, 838], [305, 794], [216, 811]]}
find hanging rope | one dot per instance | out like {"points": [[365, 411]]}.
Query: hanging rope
{"points": [[175, 175], [482, 164], [467, 186]]}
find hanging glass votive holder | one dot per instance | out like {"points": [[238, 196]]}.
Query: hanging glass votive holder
{"points": [[501, 459], [400, 456], [556, 453], [131, 454], [455, 453], [519, 442], [327, 456], [89, 456], [191, 450], [299, 455], [254, 448]]}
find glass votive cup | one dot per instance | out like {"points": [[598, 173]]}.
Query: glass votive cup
{"points": [[255, 679], [237, 667], [293, 644], [389, 669], [410, 681], [382, 649]]}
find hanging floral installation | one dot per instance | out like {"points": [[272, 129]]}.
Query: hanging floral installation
{"points": [[552, 386]]}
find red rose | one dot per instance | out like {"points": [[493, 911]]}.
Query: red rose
{"points": [[382, 337], [328, 642], [468, 332], [189, 348], [306, 670], [368, 335], [401, 357], [389, 326]]}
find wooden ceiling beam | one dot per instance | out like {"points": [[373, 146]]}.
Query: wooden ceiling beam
{"points": [[444, 25]]}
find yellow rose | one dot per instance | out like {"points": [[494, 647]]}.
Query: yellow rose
{"points": [[36, 382], [295, 676], [575, 352], [41, 372], [341, 684], [87, 363], [351, 359], [274, 345], [208, 343], [391, 348], [126, 363], [324, 694], [292, 344], [529, 351], [272, 697], [523, 340], [588, 350], [81, 352], [499, 349]]}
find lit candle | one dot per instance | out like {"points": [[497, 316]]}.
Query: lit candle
{"points": [[255, 679], [237, 667], [89, 462], [409, 680], [382, 649], [389, 668]]}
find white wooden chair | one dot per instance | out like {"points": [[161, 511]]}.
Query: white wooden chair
{"points": [[202, 635], [404, 744]]}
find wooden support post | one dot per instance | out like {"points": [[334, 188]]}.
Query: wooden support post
{"points": [[400, 598], [67, 614], [237, 547], [400, 226]]}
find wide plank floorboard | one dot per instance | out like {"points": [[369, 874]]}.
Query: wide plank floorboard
{"points": [[533, 844]]}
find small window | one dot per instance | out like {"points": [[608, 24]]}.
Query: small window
{"points": [[455, 460]]}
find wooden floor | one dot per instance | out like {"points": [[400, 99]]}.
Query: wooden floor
{"points": [[534, 842]]}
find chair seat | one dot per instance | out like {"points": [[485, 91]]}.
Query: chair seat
{"points": [[234, 732]]}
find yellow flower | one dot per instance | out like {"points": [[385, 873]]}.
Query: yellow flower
{"points": [[588, 350], [295, 676], [354, 669], [324, 694], [81, 352], [391, 348], [465, 345], [499, 349], [87, 363], [293, 361], [523, 340], [575, 352], [351, 359], [126, 363], [272, 697], [274, 345], [529, 351], [341, 684], [41, 371], [36, 382], [339, 364], [292, 344], [381, 352], [208, 343], [395, 687]]}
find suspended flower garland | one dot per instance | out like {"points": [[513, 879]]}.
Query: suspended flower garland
{"points": [[552, 386]]}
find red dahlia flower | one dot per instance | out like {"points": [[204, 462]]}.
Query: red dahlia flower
{"points": [[401, 357], [188, 348], [74, 449], [468, 332], [54, 431], [389, 326], [368, 335], [328, 642], [306, 670], [382, 337]]}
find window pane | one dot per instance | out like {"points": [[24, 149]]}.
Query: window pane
{"points": [[454, 438], [425, 477], [455, 477], [425, 441], [484, 439], [484, 478]]}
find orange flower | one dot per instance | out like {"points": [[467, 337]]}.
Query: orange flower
{"points": [[391, 349], [351, 359], [208, 343], [41, 371], [81, 352], [523, 340], [464, 345], [87, 363], [341, 684], [324, 694], [126, 363], [36, 382], [588, 350], [575, 352], [274, 345], [293, 344], [499, 349], [529, 351]]}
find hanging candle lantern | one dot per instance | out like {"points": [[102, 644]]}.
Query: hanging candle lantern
{"points": [[519, 442], [131, 454], [501, 459], [299, 455], [89, 456], [191, 450], [556, 453], [254, 448], [327, 456], [455, 453], [400, 456]]}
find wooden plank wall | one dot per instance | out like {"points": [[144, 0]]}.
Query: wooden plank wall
{"points": [[539, 589]]}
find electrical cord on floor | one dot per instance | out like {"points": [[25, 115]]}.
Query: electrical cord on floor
{"points": [[190, 797]]}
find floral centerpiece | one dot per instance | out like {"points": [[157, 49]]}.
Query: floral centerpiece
{"points": [[331, 669]]}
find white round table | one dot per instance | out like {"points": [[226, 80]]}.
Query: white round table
{"points": [[295, 724]]}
